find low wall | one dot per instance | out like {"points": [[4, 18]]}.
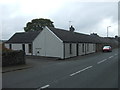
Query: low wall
{"points": [[13, 58]]}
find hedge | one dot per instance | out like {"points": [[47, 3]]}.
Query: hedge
{"points": [[13, 58]]}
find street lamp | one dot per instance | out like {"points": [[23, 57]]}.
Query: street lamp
{"points": [[107, 30]]}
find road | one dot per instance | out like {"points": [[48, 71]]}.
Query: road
{"points": [[98, 70]]}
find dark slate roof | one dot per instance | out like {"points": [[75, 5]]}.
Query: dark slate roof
{"points": [[119, 39], [74, 37], [65, 35], [23, 37]]}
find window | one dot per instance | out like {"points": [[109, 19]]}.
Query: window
{"points": [[23, 47], [70, 48], [10, 46], [30, 48], [83, 47]]}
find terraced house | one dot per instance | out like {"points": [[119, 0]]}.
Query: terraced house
{"points": [[54, 42]]}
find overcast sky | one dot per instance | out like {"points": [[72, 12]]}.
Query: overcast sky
{"points": [[87, 17]]}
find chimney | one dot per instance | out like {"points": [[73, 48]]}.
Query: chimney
{"points": [[116, 36], [72, 29], [94, 34]]}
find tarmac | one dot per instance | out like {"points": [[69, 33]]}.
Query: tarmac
{"points": [[31, 61]]}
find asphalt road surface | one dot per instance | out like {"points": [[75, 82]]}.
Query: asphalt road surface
{"points": [[98, 70]]}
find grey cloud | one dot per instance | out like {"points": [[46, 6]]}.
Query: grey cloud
{"points": [[84, 16]]}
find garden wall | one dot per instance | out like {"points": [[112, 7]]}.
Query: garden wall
{"points": [[13, 58]]}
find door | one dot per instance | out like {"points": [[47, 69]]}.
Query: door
{"points": [[77, 49], [23, 47], [85, 48]]}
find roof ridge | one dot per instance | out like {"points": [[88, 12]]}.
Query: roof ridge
{"points": [[69, 31]]}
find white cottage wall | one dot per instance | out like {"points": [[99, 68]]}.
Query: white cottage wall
{"points": [[16, 46], [89, 48], [80, 49], [27, 49], [83, 48], [38, 45], [48, 44], [7, 46], [67, 50]]}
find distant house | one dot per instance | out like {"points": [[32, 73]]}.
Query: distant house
{"points": [[23, 41], [54, 42]]}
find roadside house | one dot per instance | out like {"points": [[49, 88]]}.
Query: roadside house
{"points": [[22, 41], [54, 42]]}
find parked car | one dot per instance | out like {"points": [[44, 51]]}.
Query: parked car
{"points": [[107, 48]]}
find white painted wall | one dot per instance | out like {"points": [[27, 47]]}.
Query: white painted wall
{"points": [[48, 44], [91, 48], [80, 49], [27, 49], [16, 46], [38, 45], [7, 45], [67, 50]]}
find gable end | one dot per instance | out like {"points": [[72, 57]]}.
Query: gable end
{"points": [[54, 34]]}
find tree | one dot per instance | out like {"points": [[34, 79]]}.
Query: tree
{"points": [[38, 24]]}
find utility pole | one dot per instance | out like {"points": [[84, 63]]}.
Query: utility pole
{"points": [[107, 30]]}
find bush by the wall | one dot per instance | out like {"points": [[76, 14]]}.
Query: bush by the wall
{"points": [[13, 58]]}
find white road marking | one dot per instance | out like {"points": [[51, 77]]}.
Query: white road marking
{"points": [[110, 56], [81, 70], [45, 86], [101, 61], [115, 54]]}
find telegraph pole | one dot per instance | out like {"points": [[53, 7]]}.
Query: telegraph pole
{"points": [[107, 30]]}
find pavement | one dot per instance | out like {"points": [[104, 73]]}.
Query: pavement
{"points": [[98, 70], [29, 63], [15, 68]]}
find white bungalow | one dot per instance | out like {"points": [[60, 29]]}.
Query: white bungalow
{"points": [[52, 42]]}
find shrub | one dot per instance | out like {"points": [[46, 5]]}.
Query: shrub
{"points": [[4, 49]]}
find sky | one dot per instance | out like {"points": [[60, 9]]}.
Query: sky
{"points": [[87, 16]]}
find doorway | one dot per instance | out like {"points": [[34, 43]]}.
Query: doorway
{"points": [[77, 49]]}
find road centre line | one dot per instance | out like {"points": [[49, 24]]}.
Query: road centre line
{"points": [[81, 70], [101, 61], [45, 86], [110, 56]]}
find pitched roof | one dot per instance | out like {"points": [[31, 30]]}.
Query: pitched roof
{"points": [[73, 37], [23, 37], [118, 39], [65, 35]]}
